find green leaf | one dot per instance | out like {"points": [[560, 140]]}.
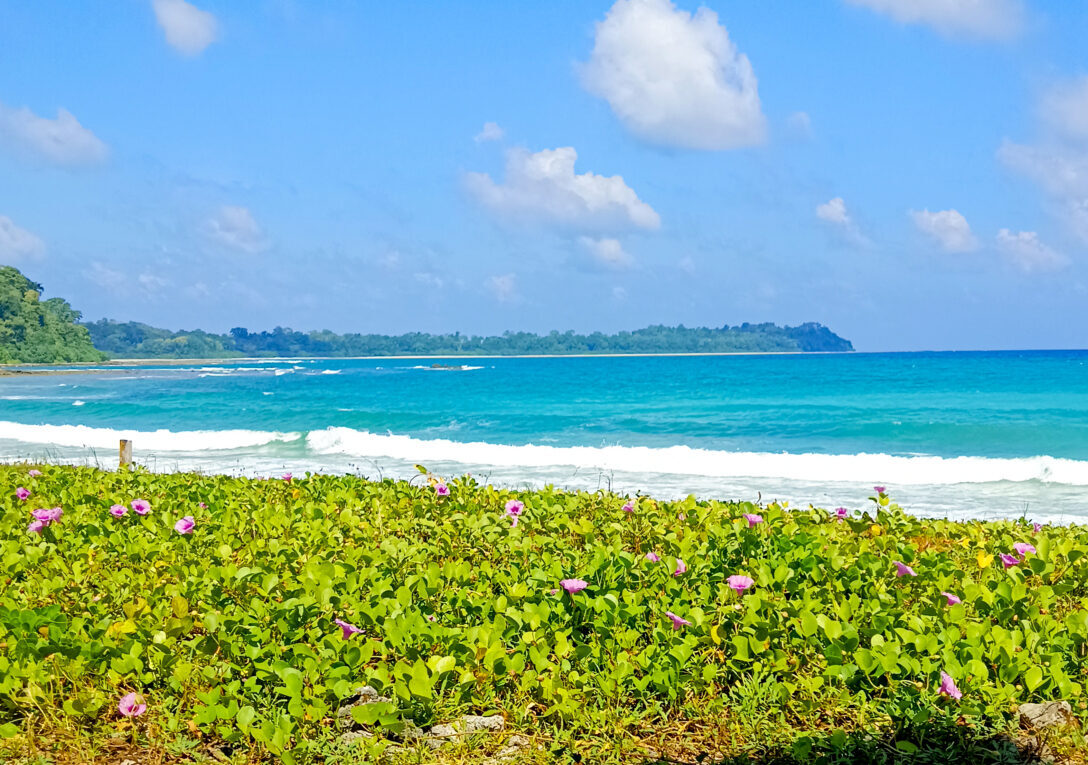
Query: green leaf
{"points": [[1033, 678]]}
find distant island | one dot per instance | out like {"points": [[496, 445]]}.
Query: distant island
{"points": [[35, 331]]}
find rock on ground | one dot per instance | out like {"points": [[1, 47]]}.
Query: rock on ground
{"points": [[1049, 715]]}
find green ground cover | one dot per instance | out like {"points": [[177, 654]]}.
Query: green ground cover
{"points": [[227, 630]]}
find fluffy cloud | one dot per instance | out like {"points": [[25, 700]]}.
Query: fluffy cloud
{"points": [[607, 252], [188, 29], [235, 227], [1027, 252], [543, 187], [504, 287], [61, 141], [1060, 170], [144, 284], [17, 244], [835, 213], [984, 19], [490, 132], [674, 78], [948, 228], [1065, 108]]}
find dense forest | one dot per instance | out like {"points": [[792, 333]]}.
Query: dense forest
{"points": [[135, 340], [37, 331]]}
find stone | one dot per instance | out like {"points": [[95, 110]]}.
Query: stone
{"points": [[513, 748], [355, 735], [364, 695], [446, 730], [474, 723], [1049, 715]]}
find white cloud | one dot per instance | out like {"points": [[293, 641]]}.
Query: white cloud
{"points": [[1065, 108], [1060, 170], [1076, 216], [504, 287], [188, 29], [984, 19], [235, 227], [145, 284], [1027, 252], [675, 78], [543, 187], [62, 141], [835, 213], [948, 228], [17, 244], [606, 251], [800, 124], [105, 277], [490, 132]]}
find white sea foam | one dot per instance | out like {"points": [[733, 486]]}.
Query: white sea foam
{"points": [[333, 444], [158, 440]]}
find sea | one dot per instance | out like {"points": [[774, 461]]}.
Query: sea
{"points": [[957, 434]]}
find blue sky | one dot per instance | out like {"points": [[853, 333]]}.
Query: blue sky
{"points": [[912, 173]]}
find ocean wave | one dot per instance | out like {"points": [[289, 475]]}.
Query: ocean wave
{"points": [[684, 460], [332, 444], [158, 440]]}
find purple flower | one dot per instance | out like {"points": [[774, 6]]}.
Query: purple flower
{"points": [[132, 705], [573, 585], [879, 489], [442, 490], [629, 506], [677, 622], [753, 519], [48, 516], [22, 494], [1023, 548], [902, 569], [1036, 528], [141, 506], [681, 567], [514, 508], [841, 513], [552, 591], [287, 477], [952, 599], [1008, 561], [348, 629], [36, 527], [201, 505], [185, 525], [118, 510], [739, 583], [652, 557], [948, 687], [34, 473]]}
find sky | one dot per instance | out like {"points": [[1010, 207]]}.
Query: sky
{"points": [[911, 173]]}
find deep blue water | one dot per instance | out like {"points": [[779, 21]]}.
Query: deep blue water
{"points": [[951, 433]]}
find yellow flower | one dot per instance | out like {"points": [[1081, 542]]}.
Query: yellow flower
{"points": [[985, 559]]}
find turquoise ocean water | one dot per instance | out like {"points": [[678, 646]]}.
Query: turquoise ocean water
{"points": [[960, 434]]}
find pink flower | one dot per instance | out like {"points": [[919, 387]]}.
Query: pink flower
{"points": [[948, 687], [952, 599], [22, 494], [514, 508], [48, 516], [132, 705], [36, 527], [201, 505], [141, 506], [118, 510], [739, 583], [677, 622], [652, 557], [681, 567], [1023, 548], [552, 591], [1008, 561], [287, 477], [879, 489], [514, 522], [442, 490], [185, 525], [348, 629], [841, 513], [1036, 528], [902, 569], [629, 507], [753, 519], [573, 585], [34, 473]]}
